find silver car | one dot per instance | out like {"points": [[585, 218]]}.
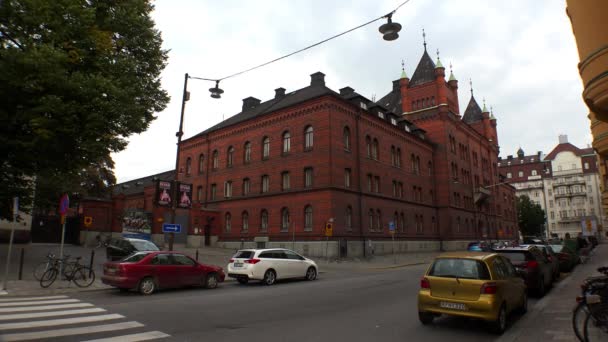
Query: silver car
{"points": [[269, 265]]}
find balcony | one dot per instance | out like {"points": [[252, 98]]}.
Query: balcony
{"points": [[570, 194], [571, 219], [567, 172]]}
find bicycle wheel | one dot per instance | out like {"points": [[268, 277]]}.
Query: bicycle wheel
{"points": [[596, 325], [83, 276], [49, 277], [579, 314], [41, 268]]}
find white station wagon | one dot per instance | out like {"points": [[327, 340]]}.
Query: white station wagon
{"points": [[269, 265]]}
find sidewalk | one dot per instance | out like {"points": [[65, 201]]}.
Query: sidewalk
{"points": [[550, 319], [35, 253]]}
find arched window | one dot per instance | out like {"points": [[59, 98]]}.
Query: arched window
{"points": [[228, 222], [230, 156], [264, 221], [430, 168], [247, 153], [398, 157], [393, 157], [368, 146], [286, 142], [246, 186], [413, 105], [188, 166], [199, 193], [348, 218], [375, 149], [284, 220], [402, 222], [396, 219], [201, 163], [216, 160], [266, 148], [308, 218], [370, 217], [308, 137], [413, 160], [534, 173], [245, 219], [346, 137], [378, 220], [417, 165]]}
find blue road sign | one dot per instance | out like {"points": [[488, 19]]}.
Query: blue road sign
{"points": [[172, 228], [391, 226]]}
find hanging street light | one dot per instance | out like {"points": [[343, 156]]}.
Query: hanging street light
{"points": [[390, 30], [216, 92]]}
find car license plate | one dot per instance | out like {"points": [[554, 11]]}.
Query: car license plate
{"points": [[455, 306], [238, 264]]}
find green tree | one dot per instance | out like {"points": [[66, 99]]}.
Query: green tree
{"points": [[530, 216], [77, 78]]}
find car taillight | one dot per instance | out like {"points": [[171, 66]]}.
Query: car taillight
{"points": [[231, 261], [532, 264], [425, 283], [489, 288], [252, 261]]}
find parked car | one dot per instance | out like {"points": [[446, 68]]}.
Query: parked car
{"points": [[533, 240], [479, 246], [567, 257], [538, 271], [269, 265], [149, 271], [485, 286], [119, 248], [550, 255]]}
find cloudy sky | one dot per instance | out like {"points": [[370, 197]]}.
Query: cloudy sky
{"points": [[520, 54]]}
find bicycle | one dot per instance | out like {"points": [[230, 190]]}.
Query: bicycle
{"points": [[102, 243], [82, 276], [591, 287], [43, 266]]}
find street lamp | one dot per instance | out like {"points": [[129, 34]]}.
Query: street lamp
{"points": [[390, 30]]}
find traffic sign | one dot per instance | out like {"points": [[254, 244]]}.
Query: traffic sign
{"points": [[172, 228], [391, 226], [329, 229], [88, 221], [64, 204]]}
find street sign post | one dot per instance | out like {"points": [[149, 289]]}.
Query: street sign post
{"points": [[64, 204], [10, 244], [172, 228]]}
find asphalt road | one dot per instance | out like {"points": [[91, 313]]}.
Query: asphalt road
{"points": [[364, 306]]}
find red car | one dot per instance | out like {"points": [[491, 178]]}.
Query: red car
{"points": [[149, 271]]}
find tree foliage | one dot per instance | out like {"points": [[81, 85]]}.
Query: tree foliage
{"points": [[530, 216], [77, 78]]}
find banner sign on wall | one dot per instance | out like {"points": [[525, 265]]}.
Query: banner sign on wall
{"points": [[185, 196], [137, 223], [164, 191]]}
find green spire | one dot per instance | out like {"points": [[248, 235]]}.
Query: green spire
{"points": [[485, 109], [492, 117], [438, 64], [452, 77], [403, 73]]}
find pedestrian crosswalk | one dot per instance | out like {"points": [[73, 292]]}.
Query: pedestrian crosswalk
{"points": [[57, 317]]}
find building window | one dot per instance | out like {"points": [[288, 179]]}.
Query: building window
{"points": [[284, 220], [228, 222], [286, 142], [430, 168], [402, 222], [375, 149], [308, 177], [377, 184], [369, 182], [230, 156], [216, 160], [213, 191], [245, 218], [285, 181], [398, 157], [188, 166], [348, 218], [246, 186], [370, 217], [552, 215], [199, 193], [264, 221], [550, 192], [265, 183], [308, 218], [534, 173], [393, 157], [509, 175], [586, 166], [394, 188], [247, 153], [201, 163], [347, 175], [308, 138], [378, 220], [520, 173], [266, 148], [368, 146], [346, 137], [228, 189], [433, 224]]}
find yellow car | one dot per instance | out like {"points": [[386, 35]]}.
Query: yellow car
{"points": [[471, 284]]}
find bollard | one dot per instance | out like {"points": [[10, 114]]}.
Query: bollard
{"points": [[21, 263], [91, 262], [197, 254]]}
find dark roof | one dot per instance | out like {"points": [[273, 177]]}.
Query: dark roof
{"points": [[295, 97], [570, 148], [392, 101], [473, 112], [137, 186], [425, 71]]}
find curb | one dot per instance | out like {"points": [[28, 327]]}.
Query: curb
{"points": [[400, 266]]}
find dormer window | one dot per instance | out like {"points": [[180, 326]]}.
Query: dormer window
{"points": [[363, 105], [407, 128], [381, 115], [393, 121]]}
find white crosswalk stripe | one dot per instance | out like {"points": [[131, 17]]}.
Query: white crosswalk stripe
{"points": [[59, 314]]}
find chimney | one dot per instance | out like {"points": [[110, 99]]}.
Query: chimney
{"points": [[279, 93], [539, 153], [563, 138], [396, 84], [317, 79], [509, 157], [346, 91], [250, 103]]}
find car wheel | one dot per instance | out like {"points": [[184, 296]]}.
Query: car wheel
{"points": [[269, 277], [242, 280], [500, 325], [147, 286], [425, 318], [211, 281], [311, 273], [524, 305], [541, 288]]}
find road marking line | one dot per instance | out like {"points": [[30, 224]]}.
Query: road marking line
{"points": [[152, 335], [39, 335], [49, 314], [60, 321], [46, 307], [38, 302], [16, 299]]}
